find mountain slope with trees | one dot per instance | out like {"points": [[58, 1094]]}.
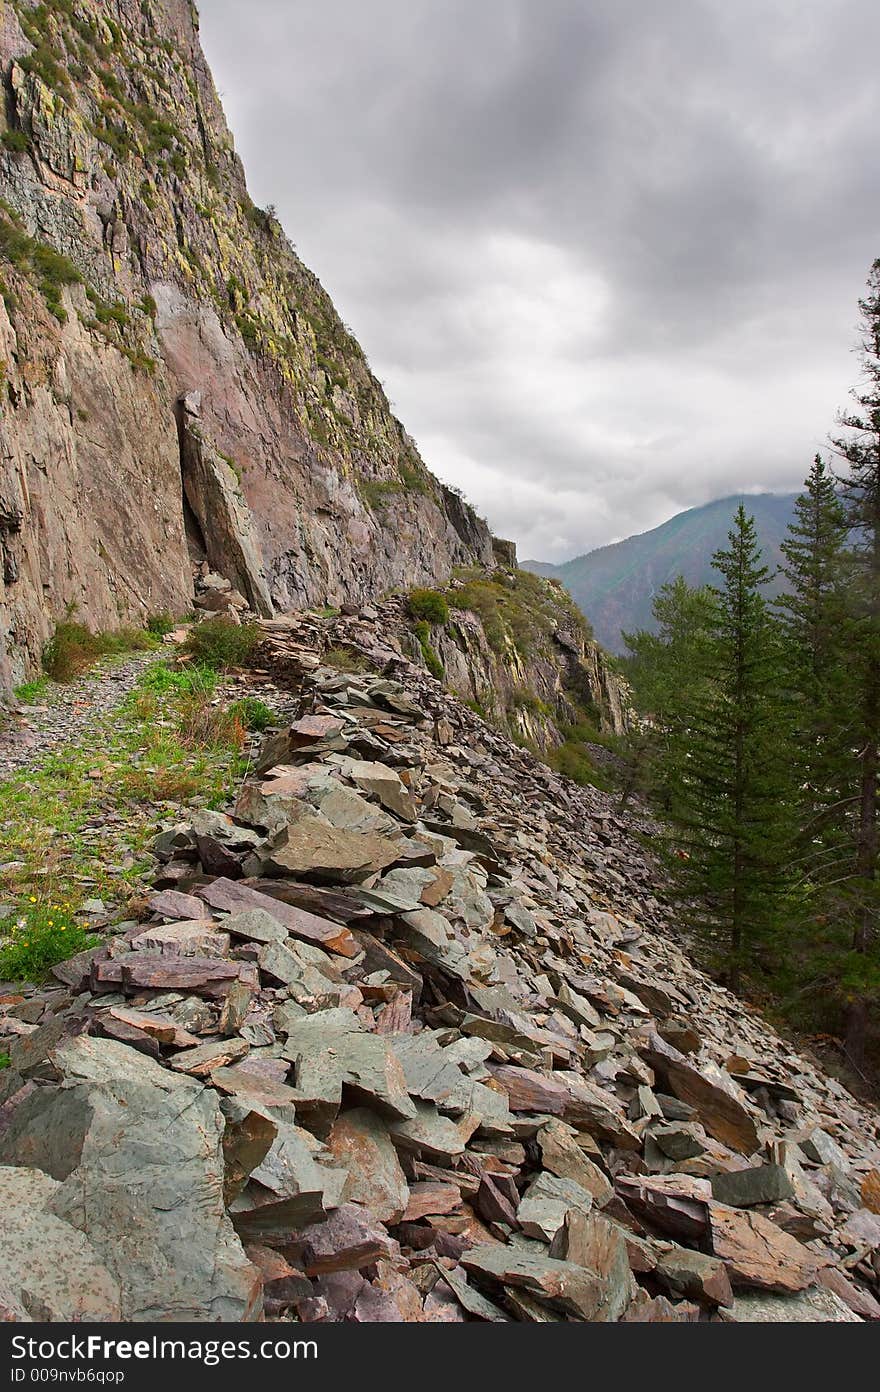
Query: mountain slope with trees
{"points": [[615, 586]]}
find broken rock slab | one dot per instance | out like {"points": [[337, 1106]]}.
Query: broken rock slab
{"points": [[360, 1142], [757, 1253], [137, 1151], [572, 1289], [761, 1185], [543, 1206], [714, 1099], [48, 1269], [815, 1306], [229, 896], [315, 849]]}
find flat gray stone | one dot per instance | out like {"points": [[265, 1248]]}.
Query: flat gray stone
{"points": [[760, 1185], [543, 1206]]}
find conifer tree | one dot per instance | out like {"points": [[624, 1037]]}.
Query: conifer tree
{"points": [[814, 616], [859, 446], [731, 801], [667, 670]]}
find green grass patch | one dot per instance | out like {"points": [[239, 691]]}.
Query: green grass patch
{"points": [[377, 493], [15, 141], [43, 934], [80, 824], [49, 268], [5, 1062], [346, 660], [30, 692]]}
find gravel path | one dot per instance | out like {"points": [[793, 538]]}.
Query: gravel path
{"points": [[68, 711]]}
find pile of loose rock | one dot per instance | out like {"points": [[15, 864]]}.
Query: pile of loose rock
{"points": [[404, 1037]]}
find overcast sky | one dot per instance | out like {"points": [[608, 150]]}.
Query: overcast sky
{"points": [[603, 254]]}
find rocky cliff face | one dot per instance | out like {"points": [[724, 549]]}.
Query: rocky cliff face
{"points": [[137, 272], [516, 648]]}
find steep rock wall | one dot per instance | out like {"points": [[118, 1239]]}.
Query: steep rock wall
{"points": [[136, 270], [516, 649]]}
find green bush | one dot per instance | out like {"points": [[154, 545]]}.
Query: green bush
{"points": [[73, 648], [423, 632], [16, 141], [429, 605], [253, 713], [160, 624], [219, 643], [42, 935]]}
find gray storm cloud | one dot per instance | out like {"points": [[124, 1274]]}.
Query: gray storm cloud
{"points": [[604, 256]]}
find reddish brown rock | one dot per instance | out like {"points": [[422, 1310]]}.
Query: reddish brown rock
{"points": [[724, 1116], [231, 897], [348, 1240], [528, 1091], [757, 1253]]}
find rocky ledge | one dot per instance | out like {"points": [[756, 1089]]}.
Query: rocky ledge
{"points": [[405, 1036]]}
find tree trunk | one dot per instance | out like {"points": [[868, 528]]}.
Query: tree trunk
{"points": [[856, 1032]]}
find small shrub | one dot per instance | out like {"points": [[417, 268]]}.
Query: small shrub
{"points": [[160, 785], [70, 650], [219, 643], [5, 1061], [253, 713], [160, 624], [429, 605], [423, 633], [203, 725], [73, 648], [41, 936], [16, 141], [346, 660]]}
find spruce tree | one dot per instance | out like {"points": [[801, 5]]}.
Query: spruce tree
{"points": [[667, 672], [730, 804], [859, 446], [814, 617]]}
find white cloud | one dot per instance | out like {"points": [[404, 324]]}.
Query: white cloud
{"points": [[605, 258]]}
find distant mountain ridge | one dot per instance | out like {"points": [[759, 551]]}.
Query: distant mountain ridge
{"points": [[614, 586]]}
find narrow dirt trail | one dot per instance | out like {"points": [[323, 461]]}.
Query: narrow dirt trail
{"points": [[68, 712]]}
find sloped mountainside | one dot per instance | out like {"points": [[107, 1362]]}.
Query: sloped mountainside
{"points": [[615, 585], [175, 382], [406, 1036]]}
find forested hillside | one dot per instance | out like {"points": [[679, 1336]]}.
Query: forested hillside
{"points": [[761, 736], [615, 586]]}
